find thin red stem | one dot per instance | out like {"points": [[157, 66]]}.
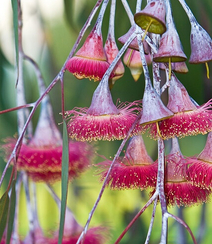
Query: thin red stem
{"points": [[16, 108], [137, 216], [184, 224]]}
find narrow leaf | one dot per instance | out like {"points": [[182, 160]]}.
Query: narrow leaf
{"points": [[64, 181], [69, 12], [4, 206], [15, 28], [11, 212]]}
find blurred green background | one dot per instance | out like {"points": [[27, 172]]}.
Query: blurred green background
{"points": [[50, 29]]}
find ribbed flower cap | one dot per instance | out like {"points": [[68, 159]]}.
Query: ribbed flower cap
{"points": [[200, 168], [178, 67], [170, 49], [153, 108], [179, 99], [90, 60], [152, 17], [201, 45]]}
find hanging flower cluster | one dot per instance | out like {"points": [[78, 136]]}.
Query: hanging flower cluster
{"points": [[182, 185]]}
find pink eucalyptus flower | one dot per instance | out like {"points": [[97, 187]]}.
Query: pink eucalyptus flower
{"points": [[135, 170], [200, 167], [188, 118], [179, 189], [103, 120], [41, 157], [90, 61], [43, 163]]}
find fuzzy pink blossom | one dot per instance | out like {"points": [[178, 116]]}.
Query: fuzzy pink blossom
{"points": [[90, 60], [135, 170], [103, 120], [200, 167], [179, 189], [45, 163], [41, 156], [188, 118]]}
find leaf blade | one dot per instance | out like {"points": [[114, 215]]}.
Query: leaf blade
{"points": [[4, 206], [64, 181], [15, 28], [69, 12], [11, 212]]}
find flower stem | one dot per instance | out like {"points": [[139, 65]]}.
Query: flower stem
{"points": [[98, 25], [128, 11], [111, 30], [151, 222], [144, 63], [184, 224], [188, 11], [137, 216], [160, 188], [138, 5], [29, 207]]}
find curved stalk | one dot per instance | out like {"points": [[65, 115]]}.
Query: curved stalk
{"points": [[151, 222], [137, 216]]}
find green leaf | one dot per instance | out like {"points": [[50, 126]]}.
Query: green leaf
{"points": [[15, 27], [4, 206], [69, 13], [11, 212], [64, 181]]}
